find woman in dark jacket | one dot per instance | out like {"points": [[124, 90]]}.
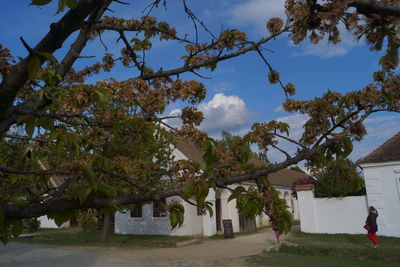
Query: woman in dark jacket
{"points": [[373, 227]]}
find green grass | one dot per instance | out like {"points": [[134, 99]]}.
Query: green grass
{"points": [[77, 237], [332, 250]]}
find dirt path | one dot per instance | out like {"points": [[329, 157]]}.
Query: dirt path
{"points": [[224, 252], [208, 252]]}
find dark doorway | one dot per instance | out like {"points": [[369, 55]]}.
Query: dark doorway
{"points": [[218, 213], [246, 224]]}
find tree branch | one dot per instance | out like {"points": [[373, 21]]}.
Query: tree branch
{"points": [[50, 172], [13, 212], [122, 177], [188, 68], [367, 7], [54, 39]]}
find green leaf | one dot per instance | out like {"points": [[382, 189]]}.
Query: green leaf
{"points": [[173, 219], [48, 56], [33, 66], [16, 227], [188, 189], [39, 2], [101, 96], [81, 194], [71, 3], [62, 4], [181, 218], [30, 127], [89, 173], [210, 210], [393, 54], [52, 136], [231, 197], [62, 217]]}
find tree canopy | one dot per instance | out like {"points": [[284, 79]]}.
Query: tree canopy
{"points": [[106, 144]]}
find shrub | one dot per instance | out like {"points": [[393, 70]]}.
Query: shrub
{"points": [[339, 178], [33, 225], [88, 220]]}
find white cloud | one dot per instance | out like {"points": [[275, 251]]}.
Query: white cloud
{"points": [[221, 113], [385, 130], [279, 108], [225, 113], [256, 13], [324, 49], [381, 119], [296, 122], [222, 87]]}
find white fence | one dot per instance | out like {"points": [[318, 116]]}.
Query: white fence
{"points": [[331, 215]]}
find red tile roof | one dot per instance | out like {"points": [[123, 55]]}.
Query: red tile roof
{"points": [[389, 151]]}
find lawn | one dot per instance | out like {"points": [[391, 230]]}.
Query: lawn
{"points": [[77, 237], [332, 250]]}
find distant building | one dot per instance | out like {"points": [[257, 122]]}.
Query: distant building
{"points": [[152, 219]]}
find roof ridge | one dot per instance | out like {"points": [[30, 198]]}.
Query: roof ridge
{"points": [[379, 154]]}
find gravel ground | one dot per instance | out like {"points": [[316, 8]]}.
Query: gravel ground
{"points": [[224, 252]]}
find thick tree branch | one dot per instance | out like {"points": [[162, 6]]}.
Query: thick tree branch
{"points": [[54, 39], [368, 7], [50, 172], [59, 204]]}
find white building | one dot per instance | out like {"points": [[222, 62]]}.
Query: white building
{"points": [[347, 214], [382, 180], [152, 218]]}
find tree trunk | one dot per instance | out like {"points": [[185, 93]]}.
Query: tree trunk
{"points": [[106, 227]]}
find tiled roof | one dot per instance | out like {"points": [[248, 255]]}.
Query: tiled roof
{"points": [[284, 177], [389, 151]]}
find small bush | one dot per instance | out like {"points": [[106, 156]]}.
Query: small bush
{"points": [[339, 178], [33, 225], [88, 220]]}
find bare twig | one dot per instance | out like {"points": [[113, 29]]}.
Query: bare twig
{"points": [[30, 50], [283, 151], [122, 177], [49, 172], [290, 140]]}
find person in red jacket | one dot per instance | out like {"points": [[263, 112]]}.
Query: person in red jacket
{"points": [[373, 227]]}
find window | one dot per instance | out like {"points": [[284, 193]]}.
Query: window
{"points": [[136, 212], [159, 208]]}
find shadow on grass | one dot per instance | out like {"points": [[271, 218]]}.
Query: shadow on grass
{"points": [[77, 237]]}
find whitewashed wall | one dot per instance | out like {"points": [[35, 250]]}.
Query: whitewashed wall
{"points": [[382, 181], [149, 225], [49, 223], [332, 215], [193, 223]]}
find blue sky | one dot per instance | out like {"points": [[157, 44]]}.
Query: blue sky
{"points": [[238, 93]]}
